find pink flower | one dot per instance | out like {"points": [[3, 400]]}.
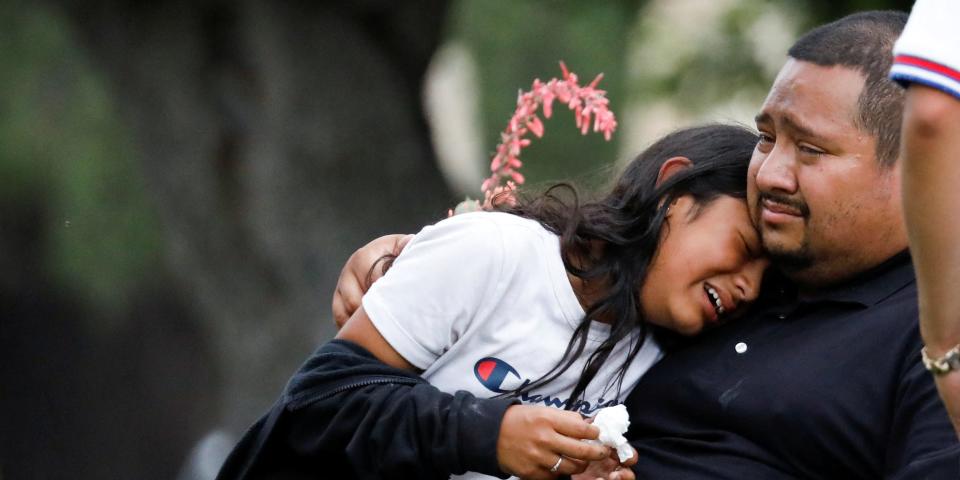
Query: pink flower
{"points": [[535, 125], [547, 96], [585, 102]]}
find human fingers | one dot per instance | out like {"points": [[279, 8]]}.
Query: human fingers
{"points": [[527, 443], [623, 474], [579, 450], [551, 465], [360, 272], [573, 425], [340, 315], [574, 466], [530, 444], [567, 466], [402, 243], [347, 296], [372, 261], [598, 469], [538, 469], [379, 259], [618, 470]]}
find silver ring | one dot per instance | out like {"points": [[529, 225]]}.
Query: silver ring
{"points": [[556, 466]]}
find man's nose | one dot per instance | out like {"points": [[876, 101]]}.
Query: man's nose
{"points": [[776, 173]]}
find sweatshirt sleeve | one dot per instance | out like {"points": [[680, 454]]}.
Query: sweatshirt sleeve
{"points": [[347, 415]]}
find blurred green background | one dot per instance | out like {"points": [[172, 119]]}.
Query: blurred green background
{"points": [[180, 182]]}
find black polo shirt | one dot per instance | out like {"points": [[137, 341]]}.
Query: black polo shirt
{"points": [[825, 386]]}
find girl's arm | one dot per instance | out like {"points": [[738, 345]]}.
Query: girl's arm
{"points": [[530, 439], [345, 414], [360, 330], [447, 274]]}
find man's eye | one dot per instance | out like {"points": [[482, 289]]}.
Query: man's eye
{"points": [[810, 150], [764, 138]]}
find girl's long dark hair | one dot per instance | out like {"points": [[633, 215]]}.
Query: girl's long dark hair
{"points": [[626, 226]]}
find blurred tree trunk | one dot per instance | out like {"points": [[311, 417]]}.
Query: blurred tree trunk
{"points": [[276, 138]]}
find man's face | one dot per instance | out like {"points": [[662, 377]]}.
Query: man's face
{"points": [[825, 208]]}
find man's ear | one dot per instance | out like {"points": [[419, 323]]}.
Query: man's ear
{"points": [[672, 166]]}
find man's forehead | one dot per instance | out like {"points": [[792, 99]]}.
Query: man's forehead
{"points": [[811, 98], [784, 118]]}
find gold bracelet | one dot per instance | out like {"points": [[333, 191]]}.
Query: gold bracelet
{"points": [[949, 362]]}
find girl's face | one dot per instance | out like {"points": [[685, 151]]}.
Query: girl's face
{"points": [[708, 267]]}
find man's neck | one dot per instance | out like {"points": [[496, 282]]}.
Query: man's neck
{"points": [[825, 275]]}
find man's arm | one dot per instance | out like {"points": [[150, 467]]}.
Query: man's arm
{"points": [[931, 199], [364, 267]]}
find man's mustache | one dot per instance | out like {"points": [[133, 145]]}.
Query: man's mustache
{"points": [[796, 204]]}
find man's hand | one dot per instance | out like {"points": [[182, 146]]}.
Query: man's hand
{"points": [[532, 439], [609, 468], [364, 267]]}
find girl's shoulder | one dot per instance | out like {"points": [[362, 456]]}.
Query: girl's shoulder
{"points": [[512, 228], [506, 243]]}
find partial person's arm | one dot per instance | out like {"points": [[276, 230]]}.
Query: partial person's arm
{"points": [[345, 414], [609, 468], [931, 199], [926, 61], [530, 438], [920, 443]]}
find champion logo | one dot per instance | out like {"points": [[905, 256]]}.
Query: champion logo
{"points": [[491, 372], [499, 376]]}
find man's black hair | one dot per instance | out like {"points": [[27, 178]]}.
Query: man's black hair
{"points": [[864, 42]]}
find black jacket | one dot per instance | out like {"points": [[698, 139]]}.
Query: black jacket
{"points": [[345, 414]]}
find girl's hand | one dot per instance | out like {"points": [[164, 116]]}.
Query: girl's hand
{"points": [[354, 281], [532, 439], [609, 468]]}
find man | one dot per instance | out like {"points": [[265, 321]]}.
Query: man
{"points": [[823, 379], [926, 60], [825, 382]]}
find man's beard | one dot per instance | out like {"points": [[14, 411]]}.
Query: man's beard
{"points": [[795, 261], [790, 260]]}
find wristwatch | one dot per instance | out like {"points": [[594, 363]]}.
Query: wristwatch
{"points": [[949, 362]]}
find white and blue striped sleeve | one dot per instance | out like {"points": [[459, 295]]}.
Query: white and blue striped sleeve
{"points": [[928, 51]]}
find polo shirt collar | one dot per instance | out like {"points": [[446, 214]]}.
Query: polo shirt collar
{"points": [[870, 287]]}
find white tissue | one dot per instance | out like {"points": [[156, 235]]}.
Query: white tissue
{"points": [[613, 423]]}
